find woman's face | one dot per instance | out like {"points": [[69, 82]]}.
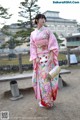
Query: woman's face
{"points": [[41, 21]]}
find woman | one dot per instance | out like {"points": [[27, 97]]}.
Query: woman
{"points": [[43, 53]]}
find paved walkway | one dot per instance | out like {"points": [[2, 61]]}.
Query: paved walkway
{"points": [[66, 106]]}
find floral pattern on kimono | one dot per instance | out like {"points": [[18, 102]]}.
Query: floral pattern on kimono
{"points": [[44, 53]]}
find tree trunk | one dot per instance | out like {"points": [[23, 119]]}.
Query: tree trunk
{"points": [[68, 53], [30, 18], [20, 63]]}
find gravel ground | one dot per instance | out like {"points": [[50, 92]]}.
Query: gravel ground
{"points": [[66, 107]]}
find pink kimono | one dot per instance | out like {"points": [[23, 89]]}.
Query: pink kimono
{"points": [[44, 52]]}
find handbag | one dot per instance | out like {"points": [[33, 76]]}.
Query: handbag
{"points": [[54, 72]]}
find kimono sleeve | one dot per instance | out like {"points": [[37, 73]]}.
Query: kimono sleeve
{"points": [[33, 53], [53, 46]]}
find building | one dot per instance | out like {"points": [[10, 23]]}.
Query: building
{"points": [[15, 27], [78, 27], [61, 26], [73, 41], [12, 29]]}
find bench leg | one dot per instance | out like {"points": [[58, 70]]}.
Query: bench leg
{"points": [[15, 90], [60, 82]]}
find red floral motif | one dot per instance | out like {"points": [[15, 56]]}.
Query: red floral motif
{"points": [[44, 47], [44, 76], [54, 93]]}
